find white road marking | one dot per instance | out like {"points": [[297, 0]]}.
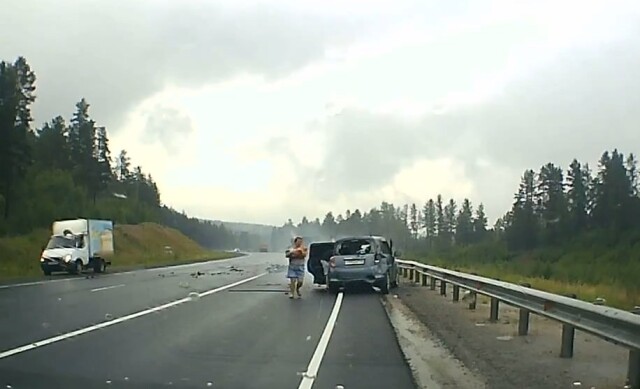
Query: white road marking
{"points": [[44, 342], [107, 287], [38, 283], [314, 365]]}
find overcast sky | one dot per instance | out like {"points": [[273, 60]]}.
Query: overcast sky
{"points": [[260, 111]]}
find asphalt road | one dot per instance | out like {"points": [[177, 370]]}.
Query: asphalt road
{"points": [[238, 329]]}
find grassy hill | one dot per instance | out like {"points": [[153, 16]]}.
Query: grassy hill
{"points": [[141, 245]]}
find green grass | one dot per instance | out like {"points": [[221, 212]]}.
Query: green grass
{"points": [[519, 271], [136, 246]]}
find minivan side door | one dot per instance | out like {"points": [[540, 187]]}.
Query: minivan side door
{"points": [[385, 249]]}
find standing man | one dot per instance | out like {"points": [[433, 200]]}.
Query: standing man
{"points": [[295, 272]]}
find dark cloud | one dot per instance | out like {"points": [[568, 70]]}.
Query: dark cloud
{"points": [[582, 103], [116, 53], [168, 126]]}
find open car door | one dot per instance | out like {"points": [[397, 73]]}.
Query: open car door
{"points": [[319, 251]]}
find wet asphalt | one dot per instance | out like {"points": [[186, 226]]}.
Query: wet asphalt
{"points": [[220, 324]]}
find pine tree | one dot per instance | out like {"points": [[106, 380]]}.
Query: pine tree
{"points": [[464, 224]]}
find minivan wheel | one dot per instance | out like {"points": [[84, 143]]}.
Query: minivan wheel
{"points": [[78, 267], [385, 284], [394, 283]]}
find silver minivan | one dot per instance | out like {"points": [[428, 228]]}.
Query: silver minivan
{"points": [[365, 259]]}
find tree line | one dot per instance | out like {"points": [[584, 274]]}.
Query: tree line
{"points": [[65, 169], [550, 207]]}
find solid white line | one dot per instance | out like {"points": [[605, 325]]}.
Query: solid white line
{"points": [[38, 283], [314, 365], [44, 342], [107, 287]]}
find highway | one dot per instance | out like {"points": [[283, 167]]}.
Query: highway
{"points": [[220, 324]]}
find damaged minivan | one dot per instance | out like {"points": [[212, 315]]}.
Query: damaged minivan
{"points": [[354, 260]]}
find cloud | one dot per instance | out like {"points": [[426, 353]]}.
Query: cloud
{"points": [[167, 125], [117, 53], [578, 105]]}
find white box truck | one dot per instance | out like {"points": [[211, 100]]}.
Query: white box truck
{"points": [[78, 244]]}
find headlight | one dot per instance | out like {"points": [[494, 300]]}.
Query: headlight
{"points": [[41, 259], [67, 258]]}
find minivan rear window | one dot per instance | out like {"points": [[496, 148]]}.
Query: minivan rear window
{"points": [[354, 247]]}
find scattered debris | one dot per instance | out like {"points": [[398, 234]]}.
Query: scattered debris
{"points": [[108, 316], [600, 301], [504, 337]]}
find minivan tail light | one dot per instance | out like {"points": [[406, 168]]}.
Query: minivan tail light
{"points": [[332, 261]]}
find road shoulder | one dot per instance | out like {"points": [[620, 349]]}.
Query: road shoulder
{"points": [[505, 360]]}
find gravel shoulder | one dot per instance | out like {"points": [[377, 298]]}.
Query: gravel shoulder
{"points": [[506, 360]]}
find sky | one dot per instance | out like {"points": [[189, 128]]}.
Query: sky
{"points": [[260, 111]]}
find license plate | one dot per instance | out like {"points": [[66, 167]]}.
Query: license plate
{"points": [[354, 262]]}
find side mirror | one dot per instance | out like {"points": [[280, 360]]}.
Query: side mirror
{"points": [[397, 254]]}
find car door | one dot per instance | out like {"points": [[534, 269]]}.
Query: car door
{"points": [[319, 252], [385, 250]]}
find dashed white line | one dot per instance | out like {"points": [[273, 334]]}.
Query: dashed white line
{"points": [[107, 287], [44, 342], [314, 365]]}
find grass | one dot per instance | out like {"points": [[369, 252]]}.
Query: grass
{"points": [[136, 246], [615, 294]]}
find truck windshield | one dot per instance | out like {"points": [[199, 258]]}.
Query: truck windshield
{"points": [[60, 242]]}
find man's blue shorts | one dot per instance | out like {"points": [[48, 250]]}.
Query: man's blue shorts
{"points": [[295, 271]]}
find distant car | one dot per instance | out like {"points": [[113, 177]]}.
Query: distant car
{"points": [[319, 252], [236, 250], [366, 259]]}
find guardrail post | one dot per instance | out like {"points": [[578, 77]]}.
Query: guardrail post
{"points": [[474, 300], [411, 271], [424, 279], [493, 316], [443, 288], [523, 322], [568, 335], [456, 293], [633, 373], [405, 271], [433, 283], [417, 278]]}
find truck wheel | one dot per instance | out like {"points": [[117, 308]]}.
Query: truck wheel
{"points": [[78, 268], [99, 266]]}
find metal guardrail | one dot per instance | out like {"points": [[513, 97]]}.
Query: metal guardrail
{"points": [[614, 325]]}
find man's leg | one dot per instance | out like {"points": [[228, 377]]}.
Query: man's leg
{"points": [[292, 287], [299, 282]]}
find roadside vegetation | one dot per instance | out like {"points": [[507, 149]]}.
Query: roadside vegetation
{"points": [[65, 169], [137, 246], [567, 232]]}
